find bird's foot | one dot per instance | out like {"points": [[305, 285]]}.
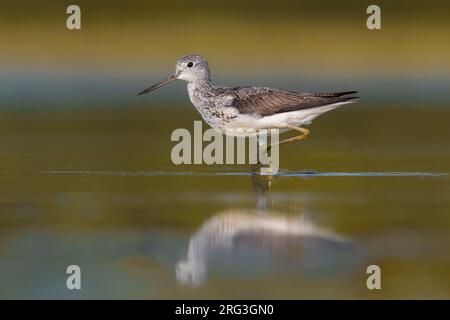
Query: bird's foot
{"points": [[263, 169]]}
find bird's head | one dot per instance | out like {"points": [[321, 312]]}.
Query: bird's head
{"points": [[189, 68], [191, 273], [192, 68]]}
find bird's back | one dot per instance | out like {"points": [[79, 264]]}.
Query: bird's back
{"points": [[267, 101]]}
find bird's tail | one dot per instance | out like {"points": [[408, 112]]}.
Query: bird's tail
{"points": [[336, 97]]}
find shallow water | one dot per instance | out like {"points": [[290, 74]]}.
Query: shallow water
{"points": [[96, 188]]}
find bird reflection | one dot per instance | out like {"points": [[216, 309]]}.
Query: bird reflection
{"points": [[249, 235], [261, 186]]}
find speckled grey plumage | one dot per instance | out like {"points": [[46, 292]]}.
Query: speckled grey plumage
{"points": [[247, 106]]}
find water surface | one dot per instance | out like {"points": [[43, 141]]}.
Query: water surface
{"points": [[96, 188]]}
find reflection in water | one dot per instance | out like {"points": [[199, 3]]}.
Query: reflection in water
{"points": [[256, 237], [261, 186], [251, 235]]}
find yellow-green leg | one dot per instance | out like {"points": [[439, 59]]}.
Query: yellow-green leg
{"points": [[304, 134]]}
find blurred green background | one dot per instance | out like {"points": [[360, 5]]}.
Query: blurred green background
{"points": [[302, 45], [239, 37], [81, 152]]}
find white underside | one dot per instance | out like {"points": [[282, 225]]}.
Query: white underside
{"points": [[248, 124]]}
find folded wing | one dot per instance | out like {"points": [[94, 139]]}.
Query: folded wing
{"points": [[268, 101]]}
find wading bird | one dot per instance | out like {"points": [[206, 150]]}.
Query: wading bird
{"points": [[241, 111]]}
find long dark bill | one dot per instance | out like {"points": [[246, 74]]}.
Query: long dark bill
{"points": [[159, 84]]}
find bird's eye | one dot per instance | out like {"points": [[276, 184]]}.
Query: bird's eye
{"points": [[190, 64]]}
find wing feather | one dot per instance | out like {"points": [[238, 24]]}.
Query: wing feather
{"points": [[268, 101]]}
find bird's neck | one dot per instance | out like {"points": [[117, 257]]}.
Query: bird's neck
{"points": [[200, 84], [200, 92]]}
